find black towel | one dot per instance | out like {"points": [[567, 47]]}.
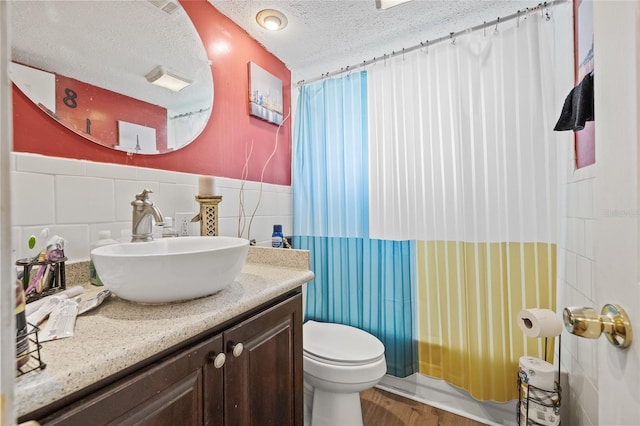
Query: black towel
{"points": [[578, 107]]}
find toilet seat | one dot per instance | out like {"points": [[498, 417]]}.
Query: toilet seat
{"points": [[339, 362], [340, 345]]}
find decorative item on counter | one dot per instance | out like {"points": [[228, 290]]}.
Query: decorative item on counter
{"points": [[50, 275], [104, 239], [206, 186], [208, 216], [277, 237]]}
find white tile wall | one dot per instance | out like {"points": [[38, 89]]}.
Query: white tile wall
{"points": [[77, 199], [576, 288]]}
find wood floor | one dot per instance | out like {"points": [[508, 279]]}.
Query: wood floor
{"points": [[381, 408]]}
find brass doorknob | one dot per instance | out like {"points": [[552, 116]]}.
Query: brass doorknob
{"points": [[612, 321]]}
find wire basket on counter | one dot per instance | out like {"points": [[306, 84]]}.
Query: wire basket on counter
{"points": [[34, 360]]}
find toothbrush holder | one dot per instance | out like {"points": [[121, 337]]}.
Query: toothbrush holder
{"points": [[52, 279]]}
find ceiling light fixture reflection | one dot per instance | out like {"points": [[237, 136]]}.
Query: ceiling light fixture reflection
{"points": [[169, 80], [386, 4], [271, 19]]}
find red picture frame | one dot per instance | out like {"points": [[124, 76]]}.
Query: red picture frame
{"points": [[585, 140]]}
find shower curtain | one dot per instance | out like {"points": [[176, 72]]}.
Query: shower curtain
{"points": [[461, 160], [359, 281]]}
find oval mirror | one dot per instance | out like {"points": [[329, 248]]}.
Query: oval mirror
{"points": [[131, 75]]}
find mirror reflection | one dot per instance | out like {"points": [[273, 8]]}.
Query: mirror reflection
{"points": [[130, 75]]}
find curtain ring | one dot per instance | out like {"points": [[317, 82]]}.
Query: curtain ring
{"points": [[547, 16], [497, 22], [453, 40]]}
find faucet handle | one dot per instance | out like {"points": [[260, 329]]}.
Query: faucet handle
{"points": [[144, 195]]}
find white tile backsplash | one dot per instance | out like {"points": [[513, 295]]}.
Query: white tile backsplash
{"points": [[76, 239], [111, 171], [172, 198], [84, 199], [125, 193], [77, 199], [50, 165], [32, 199]]}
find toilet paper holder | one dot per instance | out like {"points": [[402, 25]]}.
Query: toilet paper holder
{"points": [[613, 321]]}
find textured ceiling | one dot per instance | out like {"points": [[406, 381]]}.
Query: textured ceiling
{"points": [[326, 35], [83, 39], [113, 44]]}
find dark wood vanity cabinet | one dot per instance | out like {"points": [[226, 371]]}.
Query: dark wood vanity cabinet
{"points": [[260, 382]]}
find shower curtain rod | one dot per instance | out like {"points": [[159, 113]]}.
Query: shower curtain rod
{"points": [[540, 7], [187, 114]]}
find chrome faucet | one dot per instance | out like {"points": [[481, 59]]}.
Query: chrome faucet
{"points": [[143, 211]]}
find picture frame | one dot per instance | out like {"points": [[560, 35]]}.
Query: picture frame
{"points": [[584, 139], [265, 95]]}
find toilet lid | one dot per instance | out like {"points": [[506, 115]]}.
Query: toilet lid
{"points": [[340, 343]]}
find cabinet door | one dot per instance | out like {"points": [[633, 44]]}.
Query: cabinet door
{"points": [[263, 383], [172, 392]]}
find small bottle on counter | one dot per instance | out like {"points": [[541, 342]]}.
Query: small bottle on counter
{"points": [[277, 237], [104, 238]]}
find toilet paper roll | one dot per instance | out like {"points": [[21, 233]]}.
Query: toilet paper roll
{"points": [[537, 322], [537, 372]]}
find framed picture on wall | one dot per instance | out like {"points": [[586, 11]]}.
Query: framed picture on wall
{"points": [[265, 95], [585, 141]]}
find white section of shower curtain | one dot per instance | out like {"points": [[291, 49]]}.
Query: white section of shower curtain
{"points": [[461, 140]]}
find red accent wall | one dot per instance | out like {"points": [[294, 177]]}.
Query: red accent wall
{"points": [[221, 148], [105, 108]]}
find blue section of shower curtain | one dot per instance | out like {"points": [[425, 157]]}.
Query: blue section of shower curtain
{"points": [[358, 281]]}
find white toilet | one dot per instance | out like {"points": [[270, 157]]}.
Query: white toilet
{"points": [[339, 362]]}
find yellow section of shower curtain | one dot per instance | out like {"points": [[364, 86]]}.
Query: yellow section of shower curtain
{"points": [[469, 295]]}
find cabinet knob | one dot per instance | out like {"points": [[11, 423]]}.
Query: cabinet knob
{"points": [[218, 360], [236, 349]]}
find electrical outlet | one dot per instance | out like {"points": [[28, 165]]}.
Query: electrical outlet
{"points": [[183, 224]]}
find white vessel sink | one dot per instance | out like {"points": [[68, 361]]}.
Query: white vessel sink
{"points": [[170, 269]]}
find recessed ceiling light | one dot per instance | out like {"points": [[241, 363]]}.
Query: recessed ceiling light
{"points": [[271, 19]]}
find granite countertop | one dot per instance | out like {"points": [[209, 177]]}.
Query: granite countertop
{"points": [[119, 334]]}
